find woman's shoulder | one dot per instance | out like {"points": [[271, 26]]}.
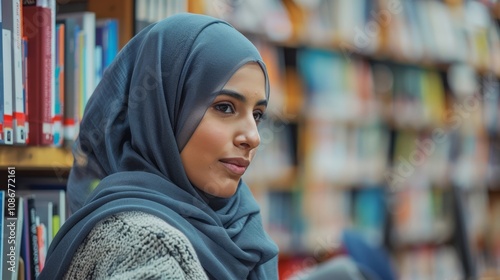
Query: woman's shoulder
{"points": [[135, 245]]}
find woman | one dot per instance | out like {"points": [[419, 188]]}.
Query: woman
{"points": [[167, 135]]}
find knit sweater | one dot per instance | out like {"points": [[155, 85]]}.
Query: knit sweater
{"points": [[135, 245]]}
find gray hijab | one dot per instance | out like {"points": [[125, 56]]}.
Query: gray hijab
{"points": [[141, 115]]}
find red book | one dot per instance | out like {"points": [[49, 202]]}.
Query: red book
{"points": [[37, 27]]}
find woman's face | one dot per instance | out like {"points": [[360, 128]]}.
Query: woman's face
{"points": [[225, 141]]}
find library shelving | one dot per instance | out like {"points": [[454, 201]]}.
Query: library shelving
{"points": [[31, 158], [397, 107]]}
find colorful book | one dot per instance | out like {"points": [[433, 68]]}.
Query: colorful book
{"points": [[59, 86], [41, 231], [70, 104], [51, 5], [87, 23], [49, 203]]}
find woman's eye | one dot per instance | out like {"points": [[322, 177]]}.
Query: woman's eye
{"points": [[224, 108], [258, 116]]}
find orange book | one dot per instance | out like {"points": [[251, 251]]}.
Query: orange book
{"points": [[41, 233]]}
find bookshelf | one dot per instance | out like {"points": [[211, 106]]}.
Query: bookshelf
{"points": [[337, 158], [35, 158], [333, 168]]}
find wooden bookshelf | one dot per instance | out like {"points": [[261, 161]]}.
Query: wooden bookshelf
{"points": [[35, 158]]}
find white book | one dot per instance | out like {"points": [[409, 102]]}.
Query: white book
{"points": [[428, 40], [443, 31], [160, 10], [18, 125], [7, 85], [152, 11], [141, 10], [182, 6]]}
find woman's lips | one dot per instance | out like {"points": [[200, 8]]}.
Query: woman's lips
{"points": [[236, 165]]}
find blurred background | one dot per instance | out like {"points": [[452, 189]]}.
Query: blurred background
{"points": [[383, 124]]}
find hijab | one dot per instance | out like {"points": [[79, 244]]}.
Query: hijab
{"points": [[140, 117]]}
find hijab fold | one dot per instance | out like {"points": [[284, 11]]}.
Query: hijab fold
{"points": [[141, 115]]}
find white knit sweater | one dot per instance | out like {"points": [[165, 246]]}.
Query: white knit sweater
{"points": [[135, 245]]}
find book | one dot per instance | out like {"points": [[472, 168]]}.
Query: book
{"points": [[141, 15], [81, 73], [25, 85], [54, 104], [59, 86], [25, 244], [70, 104], [107, 38], [10, 25], [56, 222], [40, 85], [49, 203], [98, 63], [8, 137], [33, 238], [18, 108], [41, 232]]}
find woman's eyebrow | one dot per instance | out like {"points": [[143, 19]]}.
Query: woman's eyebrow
{"points": [[241, 97], [233, 94], [262, 102]]}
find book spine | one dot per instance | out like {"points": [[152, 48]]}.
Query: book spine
{"points": [[25, 86], [18, 100], [59, 88], [33, 238], [37, 29], [25, 243], [19, 229], [7, 87], [56, 221], [41, 241], [69, 106], [51, 5]]}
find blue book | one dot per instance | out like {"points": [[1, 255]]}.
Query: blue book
{"points": [[70, 104], [59, 93], [107, 38]]}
